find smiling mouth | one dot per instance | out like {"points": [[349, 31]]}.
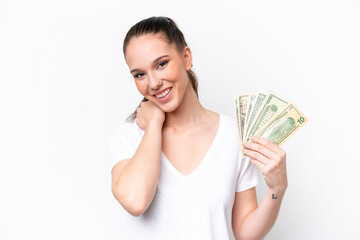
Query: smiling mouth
{"points": [[164, 93]]}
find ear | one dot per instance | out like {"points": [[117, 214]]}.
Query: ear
{"points": [[188, 58]]}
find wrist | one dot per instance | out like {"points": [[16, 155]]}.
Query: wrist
{"points": [[154, 123], [277, 192]]}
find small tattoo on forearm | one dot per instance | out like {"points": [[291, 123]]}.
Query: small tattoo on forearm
{"points": [[273, 196]]}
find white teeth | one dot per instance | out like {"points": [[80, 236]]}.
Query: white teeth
{"points": [[163, 94]]}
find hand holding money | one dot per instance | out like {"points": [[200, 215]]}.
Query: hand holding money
{"points": [[265, 122], [267, 115], [271, 160]]}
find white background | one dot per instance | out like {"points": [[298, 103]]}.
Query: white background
{"points": [[65, 86]]}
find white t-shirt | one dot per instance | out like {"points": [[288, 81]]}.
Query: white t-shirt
{"points": [[195, 206]]}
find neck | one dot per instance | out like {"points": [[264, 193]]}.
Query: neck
{"points": [[188, 113]]}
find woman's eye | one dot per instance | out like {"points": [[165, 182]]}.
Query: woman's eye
{"points": [[139, 75], [163, 63]]}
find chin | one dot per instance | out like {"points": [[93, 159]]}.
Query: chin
{"points": [[168, 108]]}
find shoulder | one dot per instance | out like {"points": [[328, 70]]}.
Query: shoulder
{"points": [[228, 121], [229, 128], [122, 126], [126, 129], [227, 118]]}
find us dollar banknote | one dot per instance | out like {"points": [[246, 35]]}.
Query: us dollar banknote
{"points": [[281, 127], [268, 115], [259, 99], [272, 105], [241, 107], [251, 102]]}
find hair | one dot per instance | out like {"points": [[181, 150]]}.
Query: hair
{"points": [[171, 34]]}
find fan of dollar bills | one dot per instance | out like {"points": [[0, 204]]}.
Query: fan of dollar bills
{"points": [[267, 115]]}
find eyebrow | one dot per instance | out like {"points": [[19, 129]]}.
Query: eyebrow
{"points": [[157, 59]]}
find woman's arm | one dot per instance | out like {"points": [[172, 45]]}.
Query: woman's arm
{"points": [[134, 186], [255, 223]]}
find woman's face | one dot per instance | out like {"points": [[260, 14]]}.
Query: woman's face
{"points": [[159, 70]]}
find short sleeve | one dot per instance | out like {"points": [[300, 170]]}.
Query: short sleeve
{"points": [[249, 175], [120, 143]]}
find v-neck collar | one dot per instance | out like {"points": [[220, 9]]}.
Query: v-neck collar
{"points": [[198, 169]]}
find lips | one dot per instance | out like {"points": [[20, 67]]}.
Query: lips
{"points": [[164, 96], [159, 92]]}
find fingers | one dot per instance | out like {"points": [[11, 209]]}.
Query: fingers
{"points": [[258, 165], [261, 149], [256, 158], [269, 145], [270, 159], [256, 155]]}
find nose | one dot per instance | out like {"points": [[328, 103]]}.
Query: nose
{"points": [[155, 82]]}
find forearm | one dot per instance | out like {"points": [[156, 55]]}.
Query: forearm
{"points": [[257, 224], [138, 181]]}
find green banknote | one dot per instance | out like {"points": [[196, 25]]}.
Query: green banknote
{"points": [[267, 115], [251, 102], [241, 106], [237, 114], [281, 127], [260, 98], [272, 105]]}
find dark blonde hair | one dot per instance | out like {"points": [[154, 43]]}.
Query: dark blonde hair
{"points": [[171, 33]]}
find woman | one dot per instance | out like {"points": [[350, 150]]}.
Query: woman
{"points": [[177, 170]]}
